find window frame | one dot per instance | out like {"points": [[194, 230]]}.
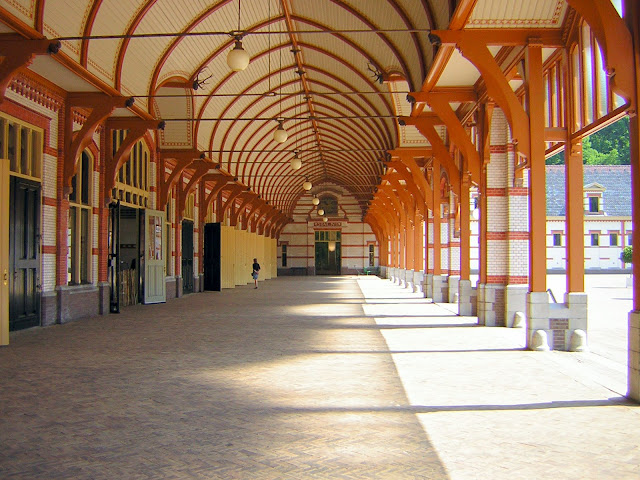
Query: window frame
{"points": [[80, 223]]}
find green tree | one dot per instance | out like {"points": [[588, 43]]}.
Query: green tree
{"points": [[626, 255], [609, 146], [613, 143]]}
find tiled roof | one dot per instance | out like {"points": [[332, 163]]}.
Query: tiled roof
{"points": [[616, 180]]}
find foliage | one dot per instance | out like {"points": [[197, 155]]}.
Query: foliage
{"points": [[626, 254], [609, 146]]}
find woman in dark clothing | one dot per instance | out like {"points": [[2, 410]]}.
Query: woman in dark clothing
{"points": [[256, 270]]}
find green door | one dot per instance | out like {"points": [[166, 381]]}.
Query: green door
{"points": [[328, 257]]}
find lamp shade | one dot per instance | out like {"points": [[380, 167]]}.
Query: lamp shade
{"points": [[315, 201], [320, 212], [307, 185], [280, 135], [332, 246], [238, 58], [296, 163]]}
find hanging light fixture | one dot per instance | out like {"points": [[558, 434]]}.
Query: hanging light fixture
{"points": [[325, 219], [320, 212], [315, 200], [307, 184], [237, 58], [296, 163], [332, 246], [280, 135]]}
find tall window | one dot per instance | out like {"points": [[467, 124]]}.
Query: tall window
{"points": [[329, 204], [168, 219], [132, 181], [613, 239], [284, 254], [372, 255], [595, 239], [594, 205], [557, 239], [78, 228]]}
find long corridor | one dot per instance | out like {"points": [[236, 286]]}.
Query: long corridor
{"points": [[303, 378]]}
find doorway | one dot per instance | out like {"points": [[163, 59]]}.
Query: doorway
{"points": [[187, 256], [328, 256], [24, 253], [211, 262], [136, 277]]}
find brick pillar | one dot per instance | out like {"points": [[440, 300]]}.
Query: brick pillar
{"points": [[454, 251], [429, 257], [491, 292], [102, 210]]}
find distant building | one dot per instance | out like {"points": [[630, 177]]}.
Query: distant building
{"points": [[607, 218]]}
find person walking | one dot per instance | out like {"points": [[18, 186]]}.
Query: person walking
{"points": [[256, 271]]}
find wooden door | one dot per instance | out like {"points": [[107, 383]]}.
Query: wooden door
{"points": [[212, 257], [187, 256], [24, 254], [155, 290]]}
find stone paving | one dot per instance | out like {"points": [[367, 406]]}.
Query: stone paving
{"points": [[304, 378]]}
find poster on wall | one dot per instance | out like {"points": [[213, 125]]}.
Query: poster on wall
{"points": [[155, 233]]}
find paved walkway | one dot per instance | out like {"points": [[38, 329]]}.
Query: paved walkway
{"points": [[304, 378]]}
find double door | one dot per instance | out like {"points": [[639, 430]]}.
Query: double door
{"points": [[24, 253]]}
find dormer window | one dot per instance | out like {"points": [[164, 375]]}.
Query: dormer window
{"points": [[593, 199]]}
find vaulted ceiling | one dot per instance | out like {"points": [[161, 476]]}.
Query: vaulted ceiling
{"points": [[335, 73]]}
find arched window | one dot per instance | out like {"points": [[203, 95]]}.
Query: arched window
{"points": [[79, 226], [132, 181], [329, 204]]}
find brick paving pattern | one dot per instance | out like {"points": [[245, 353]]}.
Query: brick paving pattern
{"points": [[304, 378]]}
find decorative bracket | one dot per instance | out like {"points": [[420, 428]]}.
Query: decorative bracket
{"points": [[19, 52], [201, 168], [183, 159], [101, 107], [136, 129]]}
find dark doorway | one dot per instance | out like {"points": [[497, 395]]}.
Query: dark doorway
{"points": [[327, 252], [24, 254], [128, 255], [212, 257], [113, 241], [187, 256]]}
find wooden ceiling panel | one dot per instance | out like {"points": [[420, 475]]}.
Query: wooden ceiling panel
{"points": [[529, 14]]}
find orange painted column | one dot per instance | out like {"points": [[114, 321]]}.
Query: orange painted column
{"points": [[633, 374], [437, 218], [575, 217], [537, 172], [410, 246], [418, 241]]}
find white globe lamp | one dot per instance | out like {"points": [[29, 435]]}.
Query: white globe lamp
{"points": [[238, 58], [320, 212], [280, 135], [315, 201], [307, 185], [296, 163]]}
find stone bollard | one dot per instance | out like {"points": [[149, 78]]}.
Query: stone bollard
{"points": [[539, 341], [519, 320], [579, 341]]}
